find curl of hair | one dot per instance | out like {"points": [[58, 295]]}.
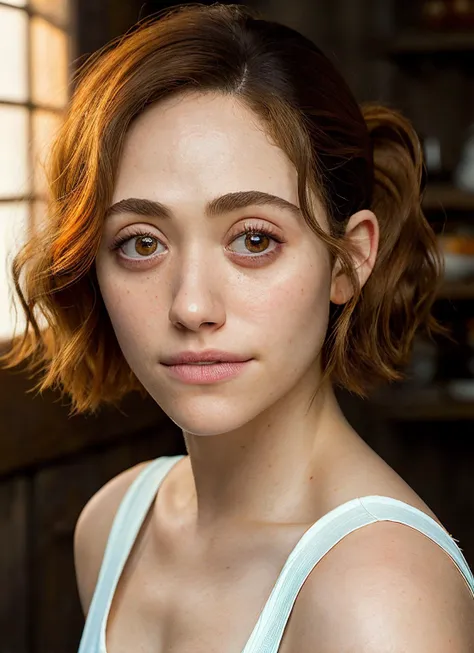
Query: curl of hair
{"points": [[347, 157]]}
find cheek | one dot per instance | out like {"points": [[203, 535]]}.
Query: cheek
{"points": [[134, 310], [293, 312]]}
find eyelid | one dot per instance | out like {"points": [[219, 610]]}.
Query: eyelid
{"points": [[137, 229], [132, 231], [264, 225]]}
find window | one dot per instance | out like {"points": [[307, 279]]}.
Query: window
{"points": [[35, 51]]}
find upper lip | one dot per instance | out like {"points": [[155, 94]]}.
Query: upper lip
{"points": [[208, 355]]}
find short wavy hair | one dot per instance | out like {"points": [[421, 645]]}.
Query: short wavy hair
{"points": [[352, 157]]}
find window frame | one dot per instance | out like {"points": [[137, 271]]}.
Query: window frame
{"points": [[32, 200], [67, 28]]}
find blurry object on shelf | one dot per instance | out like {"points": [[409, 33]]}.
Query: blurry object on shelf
{"points": [[462, 13], [436, 13], [458, 250], [423, 365], [464, 173], [458, 267], [461, 389], [448, 14], [432, 156], [439, 379]]}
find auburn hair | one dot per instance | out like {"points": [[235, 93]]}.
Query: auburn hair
{"points": [[351, 157]]}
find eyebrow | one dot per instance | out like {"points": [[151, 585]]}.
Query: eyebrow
{"points": [[215, 207]]}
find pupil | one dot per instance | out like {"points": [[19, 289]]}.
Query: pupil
{"points": [[257, 240], [145, 244]]}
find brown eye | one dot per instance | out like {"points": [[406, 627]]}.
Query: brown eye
{"points": [[255, 239], [145, 245], [259, 241], [138, 245]]}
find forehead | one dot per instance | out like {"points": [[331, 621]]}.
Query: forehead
{"points": [[203, 144]]}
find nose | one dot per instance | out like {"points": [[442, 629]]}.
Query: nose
{"points": [[196, 299]]}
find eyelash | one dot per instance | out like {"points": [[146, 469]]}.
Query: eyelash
{"points": [[134, 233], [262, 229]]}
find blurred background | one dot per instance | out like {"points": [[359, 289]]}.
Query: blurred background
{"points": [[415, 56]]}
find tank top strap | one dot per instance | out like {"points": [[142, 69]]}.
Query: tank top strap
{"points": [[125, 527], [320, 538]]}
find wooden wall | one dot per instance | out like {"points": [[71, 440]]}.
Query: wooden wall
{"points": [[50, 466]]}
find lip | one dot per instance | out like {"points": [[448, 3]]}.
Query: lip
{"points": [[206, 374], [206, 356]]}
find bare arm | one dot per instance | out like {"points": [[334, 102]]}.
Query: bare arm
{"points": [[386, 589], [93, 528]]}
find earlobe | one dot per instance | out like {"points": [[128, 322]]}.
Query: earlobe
{"points": [[362, 233], [341, 289]]}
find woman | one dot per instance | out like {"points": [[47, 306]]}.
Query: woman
{"points": [[232, 234]]}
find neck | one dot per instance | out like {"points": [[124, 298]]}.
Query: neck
{"points": [[268, 471]]}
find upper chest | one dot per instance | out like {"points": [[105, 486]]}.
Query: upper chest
{"points": [[181, 606]]}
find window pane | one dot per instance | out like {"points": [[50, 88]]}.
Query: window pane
{"points": [[38, 216], [13, 60], [14, 173], [49, 64], [57, 9], [13, 233], [45, 125]]}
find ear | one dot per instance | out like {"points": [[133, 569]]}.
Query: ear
{"points": [[362, 231]]}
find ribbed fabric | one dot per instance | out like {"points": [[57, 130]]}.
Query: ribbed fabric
{"points": [[308, 551]]}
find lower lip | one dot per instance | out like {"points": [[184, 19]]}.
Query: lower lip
{"points": [[203, 374]]}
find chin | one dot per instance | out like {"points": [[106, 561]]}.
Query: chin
{"points": [[208, 415]]}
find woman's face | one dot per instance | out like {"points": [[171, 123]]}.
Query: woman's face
{"points": [[197, 281]]}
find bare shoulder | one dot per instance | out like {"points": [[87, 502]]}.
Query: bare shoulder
{"points": [[93, 528], [384, 587]]}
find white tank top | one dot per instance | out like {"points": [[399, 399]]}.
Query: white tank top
{"points": [[308, 551]]}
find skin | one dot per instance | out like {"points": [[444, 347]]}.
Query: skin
{"points": [[258, 454]]}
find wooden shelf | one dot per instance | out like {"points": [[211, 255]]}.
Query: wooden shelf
{"points": [[457, 290], [446, 197], [431, 42], [422, 405], [441, 411]]}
